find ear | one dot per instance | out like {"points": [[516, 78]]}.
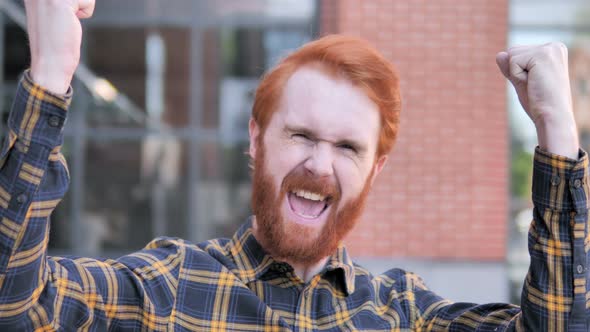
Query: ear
{"points": [[254, 131], [381, 161]]}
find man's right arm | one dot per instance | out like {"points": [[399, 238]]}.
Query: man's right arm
{"points": [[49, 293], [38, 292], [33, 179]]}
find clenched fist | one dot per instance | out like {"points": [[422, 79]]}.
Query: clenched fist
{"points": [[55, 35], [540, 76]]}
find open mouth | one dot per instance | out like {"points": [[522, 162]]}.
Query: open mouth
{"points": [[308, 205]]}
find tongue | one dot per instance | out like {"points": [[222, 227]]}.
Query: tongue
{"points": [[306, 207]]}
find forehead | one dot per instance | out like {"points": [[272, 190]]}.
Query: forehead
{"points": [[331, 106]]}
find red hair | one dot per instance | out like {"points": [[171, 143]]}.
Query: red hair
{"points": [[351, 57]]}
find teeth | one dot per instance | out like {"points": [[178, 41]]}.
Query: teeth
{"points": [[309, 195]]}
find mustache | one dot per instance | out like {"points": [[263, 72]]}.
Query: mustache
{"points": [[299, 180]]}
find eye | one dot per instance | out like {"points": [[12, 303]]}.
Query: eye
{"points": [[300, 136], [347, 147]]}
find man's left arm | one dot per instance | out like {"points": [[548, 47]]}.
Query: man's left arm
{"points": [[555, 290], [555, 295]]}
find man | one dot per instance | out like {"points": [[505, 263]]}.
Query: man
{"points": [[323, 123]]}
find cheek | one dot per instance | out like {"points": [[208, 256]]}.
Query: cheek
{"points": [[282, 158], [351, 178]]}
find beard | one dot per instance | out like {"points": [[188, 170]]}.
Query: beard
{"points": [[287, 240]]}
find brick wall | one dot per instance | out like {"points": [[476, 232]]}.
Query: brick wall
{"points": [[444, 192]]}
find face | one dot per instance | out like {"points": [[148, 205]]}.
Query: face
{"points": [[313, 166]]}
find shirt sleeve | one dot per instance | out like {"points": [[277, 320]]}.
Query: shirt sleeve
{"points": [[555, 295], [38, 292]]}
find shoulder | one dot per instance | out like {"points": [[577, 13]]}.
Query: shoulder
{"points": [[208, 255], [394, 275], [392, 280], [405, 280]]}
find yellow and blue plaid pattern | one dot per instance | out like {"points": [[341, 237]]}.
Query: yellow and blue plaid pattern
{"points": [[233, 285]]}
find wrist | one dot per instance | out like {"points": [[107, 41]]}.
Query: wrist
{"points": [[51, 76], [558, 135]]}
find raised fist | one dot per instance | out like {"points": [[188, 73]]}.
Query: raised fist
{"points": [[55, 35], [540, 76]]}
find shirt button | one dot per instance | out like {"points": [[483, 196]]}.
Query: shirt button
{"points": [[555, 179], [577, 183], [580, 269], [22, 198], [53, 121]]}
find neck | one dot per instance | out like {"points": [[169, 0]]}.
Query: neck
{"points": [[304, 271], [307, 272]]}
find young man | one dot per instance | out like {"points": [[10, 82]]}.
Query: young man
{"points": [[323, 123]]}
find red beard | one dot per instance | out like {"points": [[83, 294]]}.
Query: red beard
{"points": [[288, 241]]}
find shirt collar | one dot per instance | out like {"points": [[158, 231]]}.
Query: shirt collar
{"points": [[252, 262], [342, 261]]}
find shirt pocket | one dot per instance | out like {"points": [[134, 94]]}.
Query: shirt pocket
{"points": [[7, 144]]}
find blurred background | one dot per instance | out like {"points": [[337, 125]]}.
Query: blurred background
{"points": [[158, 126]]}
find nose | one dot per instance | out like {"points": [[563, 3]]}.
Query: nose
{"points": [[320, 161]]}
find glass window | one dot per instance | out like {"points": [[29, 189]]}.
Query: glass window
{"points": [[158, 130]]}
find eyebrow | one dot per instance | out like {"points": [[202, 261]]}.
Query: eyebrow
{"points": [[357, 146]]}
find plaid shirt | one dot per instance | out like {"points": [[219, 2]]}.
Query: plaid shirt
{"points": [[233, 285]]}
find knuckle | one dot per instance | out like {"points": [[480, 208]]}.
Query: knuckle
{"points": [[559, 45], [547, 52], [512, 62], [562, 48], [547, 48], [511, 50], [556, 47], [52, 3]]}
